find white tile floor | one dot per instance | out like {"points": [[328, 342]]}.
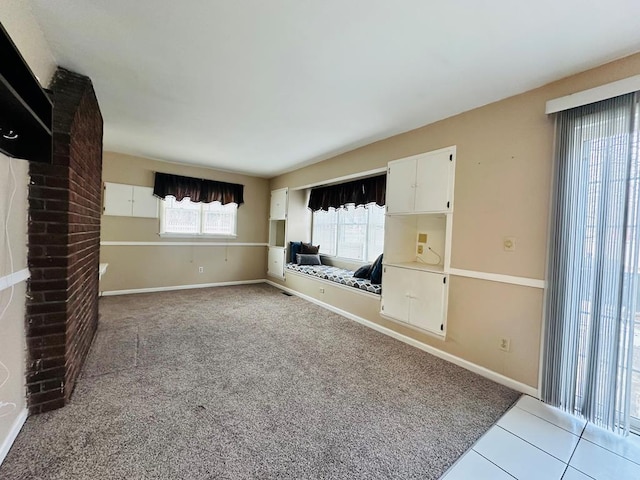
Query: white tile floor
{"points": [[538, 442]]}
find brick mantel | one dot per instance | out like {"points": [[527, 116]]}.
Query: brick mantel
{"points": [[64, 245]]}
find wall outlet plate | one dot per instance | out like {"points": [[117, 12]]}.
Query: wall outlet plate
{"points": [[505, 344]]}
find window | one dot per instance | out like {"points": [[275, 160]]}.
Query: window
{"points": [[188, 218], [350, 232]]}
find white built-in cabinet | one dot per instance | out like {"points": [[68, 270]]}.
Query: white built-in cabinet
{"points": [[421, 183], [129, 201], [277, 233], [417, 249]]}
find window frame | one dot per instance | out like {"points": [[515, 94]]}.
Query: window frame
{"points": [[164, 234]]}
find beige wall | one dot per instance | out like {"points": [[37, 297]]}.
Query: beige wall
{"points": [[503, 176], [135, 267], [25, 32]]}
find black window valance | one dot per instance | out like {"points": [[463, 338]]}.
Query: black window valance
{"points": [[357, 192], [197, 189]]}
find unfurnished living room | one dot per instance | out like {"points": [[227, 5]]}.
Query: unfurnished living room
{"points": [[319, 240]]}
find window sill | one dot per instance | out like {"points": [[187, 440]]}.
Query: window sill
{"points": [[195, 235]]}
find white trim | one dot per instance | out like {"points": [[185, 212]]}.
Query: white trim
{"points": [[497, 277], [180, 244], [195, 235], [103, 270], [179, 287], [376, 296], [482, 371], [585, 97], [14, 278], [344, 178], [13, 433]]}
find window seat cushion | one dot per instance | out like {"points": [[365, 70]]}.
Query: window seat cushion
{"points": [[338, 275]]}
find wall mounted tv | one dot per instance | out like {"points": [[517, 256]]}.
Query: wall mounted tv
{"points": [[25, 108]]}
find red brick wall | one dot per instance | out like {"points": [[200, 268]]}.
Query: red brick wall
{"points": [[64, 245]]}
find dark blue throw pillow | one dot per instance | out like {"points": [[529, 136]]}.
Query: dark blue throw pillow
{"points": [[294, 250], [363, 272], [376, 271], [308, 259]]}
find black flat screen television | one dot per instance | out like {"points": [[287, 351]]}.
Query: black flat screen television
{"points": [[25, 108]]}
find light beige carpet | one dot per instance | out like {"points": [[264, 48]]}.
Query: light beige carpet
{"points": [[245, 382]]}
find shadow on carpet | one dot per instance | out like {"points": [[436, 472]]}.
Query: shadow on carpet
{"points": [[244, 382]]}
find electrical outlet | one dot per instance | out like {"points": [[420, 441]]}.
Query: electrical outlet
{"points": [[321, 290], [200, 269], [505, 344], [420, 249]]}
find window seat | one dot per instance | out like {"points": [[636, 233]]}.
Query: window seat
{"points": [[337, 275]]}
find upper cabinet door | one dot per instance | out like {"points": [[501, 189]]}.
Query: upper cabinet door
{"points": [[401, 181], [278, 209], [144, 203], [434, 182], [118, 199]]}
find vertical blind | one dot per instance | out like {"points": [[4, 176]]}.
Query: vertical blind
{"points": [[593, 262]]}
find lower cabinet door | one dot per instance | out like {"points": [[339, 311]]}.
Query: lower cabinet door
{"points": [[429, 301], [395, 293], [416, 297], [275, 267]]}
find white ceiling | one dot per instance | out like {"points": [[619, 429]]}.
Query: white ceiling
{"points": [[263, 87]]}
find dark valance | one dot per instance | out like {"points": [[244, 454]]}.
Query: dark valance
{"points": [[358, 192], [197, 189]]}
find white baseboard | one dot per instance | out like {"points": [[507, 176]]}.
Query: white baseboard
{"points": [[179, 287], [13, 433], [485, 372]]}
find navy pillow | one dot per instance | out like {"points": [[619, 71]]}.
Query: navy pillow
{"points": [[376, 271], [308, 259], [363, 272], [294, 250]]}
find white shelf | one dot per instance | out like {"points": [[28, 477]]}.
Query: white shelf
{"points": [[417, 266]]}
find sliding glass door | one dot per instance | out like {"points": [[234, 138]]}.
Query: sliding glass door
{"points": [[592, 338]]}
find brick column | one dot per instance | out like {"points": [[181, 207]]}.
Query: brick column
{"points": [[64, 245]]}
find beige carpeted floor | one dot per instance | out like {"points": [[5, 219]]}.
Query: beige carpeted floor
{"points": [[245, 382]]}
